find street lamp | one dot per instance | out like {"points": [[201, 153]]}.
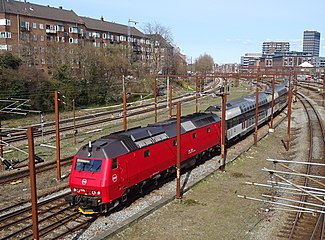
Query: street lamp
{"points": [[129, 36]]}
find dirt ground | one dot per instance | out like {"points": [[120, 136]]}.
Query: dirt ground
{"points": [[212, 210]]}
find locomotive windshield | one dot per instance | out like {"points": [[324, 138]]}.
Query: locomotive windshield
{"points": [[88, 165]]}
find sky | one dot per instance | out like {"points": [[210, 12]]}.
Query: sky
{"points": [[224, 29]]}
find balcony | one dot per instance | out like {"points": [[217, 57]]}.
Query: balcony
{"points": [[51, 31]]}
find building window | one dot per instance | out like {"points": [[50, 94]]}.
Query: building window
{"points": [[43, 61], [24, 25], [5, 47], [34, 25], [5, 34], [146, 153], [96, 34], [41, 26], [114, 163], [73, 30], [73, 40], [60, 28], [5, 22], [42, 38], [35, 37], [106, 36]]}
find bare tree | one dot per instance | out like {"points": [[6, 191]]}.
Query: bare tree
{"points": [[162, 48], [204, 64]]}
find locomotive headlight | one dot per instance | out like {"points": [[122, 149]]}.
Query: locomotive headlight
{"points": [[74, 189], [98, 193], [78, 190]]}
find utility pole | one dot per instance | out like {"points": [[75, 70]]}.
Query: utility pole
{"points": [[295, 80], [124, 105], [324, 88], [178, 162], [289, 114], [256, 111], [1, 150], [170, 101], [57, 131], [32, 177], [223, 126], [197, 95], [155, 97], [167, 92], [272, 109], [74, 122]]}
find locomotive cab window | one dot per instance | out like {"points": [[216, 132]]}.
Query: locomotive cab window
{"points": [[175, 143], [208, 130], [194, 135], [86, 165], [146, 153], [114, 163]]}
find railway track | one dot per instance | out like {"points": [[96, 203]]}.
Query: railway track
{"points": [[94, 119], [302, 224], [56, 220]]}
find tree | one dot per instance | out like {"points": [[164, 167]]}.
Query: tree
{"points": [[8, 60], [162, 46], [204, 64]]}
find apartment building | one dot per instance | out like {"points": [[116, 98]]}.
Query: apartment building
{"points": [[29, 30], [270, 48]]}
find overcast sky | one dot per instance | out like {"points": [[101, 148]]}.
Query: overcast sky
{"points": [[224, 29]]}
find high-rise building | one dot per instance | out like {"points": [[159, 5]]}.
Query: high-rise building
{"points": [[311, 42], [275, 47]]}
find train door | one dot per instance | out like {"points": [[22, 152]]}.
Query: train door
{"points": [[118, 181], [123, 170]]}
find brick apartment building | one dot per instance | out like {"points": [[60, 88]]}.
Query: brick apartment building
{"points": [[29, 29]]}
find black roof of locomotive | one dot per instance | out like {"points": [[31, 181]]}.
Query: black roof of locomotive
{"points": [[122, 142]]}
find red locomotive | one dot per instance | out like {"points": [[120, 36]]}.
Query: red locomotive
{"points": [[106, 171]]}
